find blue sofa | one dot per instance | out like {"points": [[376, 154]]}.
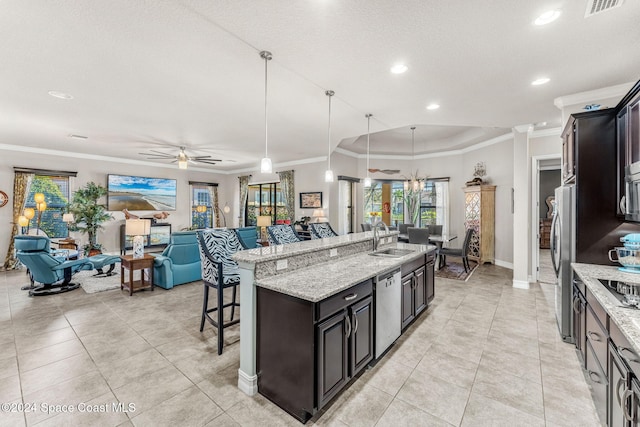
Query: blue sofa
{"points": [[179, 263], [248, 237]]}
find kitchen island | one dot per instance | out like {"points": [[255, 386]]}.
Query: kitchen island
{"points": [[311, 279]]}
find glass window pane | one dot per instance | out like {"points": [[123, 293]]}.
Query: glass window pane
{"points": [[56, 197]]}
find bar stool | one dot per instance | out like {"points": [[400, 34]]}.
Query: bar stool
{"points": [[219, 271]]}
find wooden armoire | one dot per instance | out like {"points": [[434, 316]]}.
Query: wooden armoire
{"points": [[479, 214]]}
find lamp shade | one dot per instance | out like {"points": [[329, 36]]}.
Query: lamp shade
{"points": [[68, 217], [137, 227], [23, 221], [264, 221], [38, 197], [29, 213], [201, 208], [42, 206]]}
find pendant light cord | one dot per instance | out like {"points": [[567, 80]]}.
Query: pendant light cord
{"points": [[267, 57], [329, 93], [368, 116]]}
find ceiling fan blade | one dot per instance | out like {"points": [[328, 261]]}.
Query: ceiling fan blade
{"points": [[208, 161]]}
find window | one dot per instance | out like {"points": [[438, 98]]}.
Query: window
{"points": [[432, 206], [266, 199], [56, 196], [202, 206]]}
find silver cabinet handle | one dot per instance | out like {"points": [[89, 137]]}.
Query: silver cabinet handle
{"points": [[618, 386], [623, 204], [633, 353], [591, 336], [348, 331], [625, 405], [355, 322], [351, 297], [597, 377], [576, 305]]}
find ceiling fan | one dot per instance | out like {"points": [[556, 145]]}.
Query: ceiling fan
{"points": [[182, 158]]}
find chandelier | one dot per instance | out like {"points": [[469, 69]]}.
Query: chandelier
{"points": [[414, 183]]}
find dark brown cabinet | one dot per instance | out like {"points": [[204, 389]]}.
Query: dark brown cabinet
{"points": [[580, 320], [308, 352], [628, 140], [568, 154], [430, 279], [415, 291]]}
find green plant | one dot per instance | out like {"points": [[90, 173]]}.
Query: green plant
{"points": [[88, 214]]}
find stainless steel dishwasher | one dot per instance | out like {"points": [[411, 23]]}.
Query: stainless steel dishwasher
{"points": [[388, 310]]}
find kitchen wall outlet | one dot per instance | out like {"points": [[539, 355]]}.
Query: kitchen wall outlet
{"points": [[281, 264], [333, 252]]}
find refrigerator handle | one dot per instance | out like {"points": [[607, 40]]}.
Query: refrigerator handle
{"points": [[556, 268]]}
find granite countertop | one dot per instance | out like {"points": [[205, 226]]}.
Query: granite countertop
{"points": [[323, 280], [271, 253], [628, 320]]}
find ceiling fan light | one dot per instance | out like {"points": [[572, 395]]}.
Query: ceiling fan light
{"points": [[266, 166], [406, 185], [367, 182], [416, 185], [182, 164], [328, 175]]}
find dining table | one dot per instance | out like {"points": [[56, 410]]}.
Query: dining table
{"points": [[436, 239]]}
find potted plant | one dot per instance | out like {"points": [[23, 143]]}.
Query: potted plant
{"points": [[89, 215]]}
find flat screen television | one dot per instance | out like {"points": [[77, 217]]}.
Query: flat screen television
{"points": [[137, 193]]}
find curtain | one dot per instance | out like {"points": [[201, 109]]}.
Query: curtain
{"points": [[288, 193], [442, 205], [21, 184], [213, 194], [244, 193]]}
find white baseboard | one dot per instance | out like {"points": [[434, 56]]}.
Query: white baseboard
{"points": [[248, 384], [504, 264], [521, 284]]}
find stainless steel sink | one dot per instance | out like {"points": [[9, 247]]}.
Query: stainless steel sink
{"points": [[391, 252]]}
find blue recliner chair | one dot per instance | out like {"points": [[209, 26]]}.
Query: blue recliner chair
{"points": [[248, 237], [179, 263], [53, 273]]}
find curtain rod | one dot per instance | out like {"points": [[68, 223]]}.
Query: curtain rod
{"points": [[44, 171]]}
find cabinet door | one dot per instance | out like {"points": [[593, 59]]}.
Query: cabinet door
{"points": [[420, 290], [332, 357], [579, 324], [430, 281], [633, 412], [361, 340], [634, 132], [568, 160], [623, 156], [407, 299], [619, 383], [599, 383]]}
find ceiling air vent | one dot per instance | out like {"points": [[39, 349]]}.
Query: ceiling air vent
{"points": [[597, 6]]}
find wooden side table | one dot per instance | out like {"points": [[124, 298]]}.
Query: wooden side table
{"points": [[132, 264]]}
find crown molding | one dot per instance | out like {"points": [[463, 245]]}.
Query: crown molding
{"points": [[280, 165], [592, 95], [546, 132]]}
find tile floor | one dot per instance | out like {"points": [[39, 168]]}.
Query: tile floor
{"points": [[484, 354]]}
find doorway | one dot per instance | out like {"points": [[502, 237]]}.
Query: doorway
{"points": [[548, 177], [346, 207]]}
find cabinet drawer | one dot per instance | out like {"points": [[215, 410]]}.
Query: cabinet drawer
{"points": [[599, 384], [341, 300], [431, 256], [410, 266], [597, 336], [597, 310], [621, 342]]}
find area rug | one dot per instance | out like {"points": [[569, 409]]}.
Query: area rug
{"points": [[92, 284], [455, 270]]}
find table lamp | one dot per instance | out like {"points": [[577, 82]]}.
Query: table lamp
{"points": [[318, 214], [262, 222], [137, 228], [68, 218]]}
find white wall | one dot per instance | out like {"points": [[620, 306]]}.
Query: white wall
{"points": [[96, 170]]}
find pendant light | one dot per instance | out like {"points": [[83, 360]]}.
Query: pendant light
{"points": [[413, 182], [328, 175], [265, 164], [367, 180]]}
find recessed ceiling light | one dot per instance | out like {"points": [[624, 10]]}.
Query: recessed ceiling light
{"points": [[433, 106], [547, 17], [399, 69], [540, 81], [60, 95]]}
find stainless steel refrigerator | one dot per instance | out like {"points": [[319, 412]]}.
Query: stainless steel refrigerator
{"points": [[563, 253]]}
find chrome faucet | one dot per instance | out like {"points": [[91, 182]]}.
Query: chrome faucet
{"points": [[376, 237]]}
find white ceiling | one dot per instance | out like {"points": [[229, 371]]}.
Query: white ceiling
{"points": [[158, 75]]}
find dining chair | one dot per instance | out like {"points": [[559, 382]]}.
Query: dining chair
{"points": [[463, 252], [402, 232], [418, 235], [365, 227], [435, 230], [219, 271]]}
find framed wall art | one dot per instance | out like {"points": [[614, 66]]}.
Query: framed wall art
{"points": [[311, 200]]}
